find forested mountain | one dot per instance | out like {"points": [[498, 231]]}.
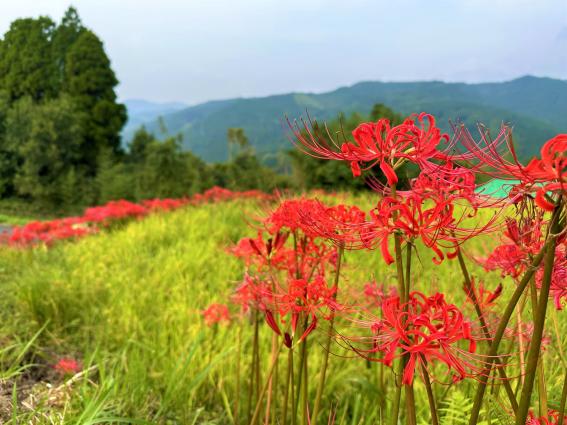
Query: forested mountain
{"points": [[537, 107]]}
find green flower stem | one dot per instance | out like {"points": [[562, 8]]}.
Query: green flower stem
{"points": [[563, 399], [542, 392], [253, 364], [410, 396], [238, 361], [430, 395], [485, 331], [302, 359], [402, 291], [323, 372], [265, 387], [288, 384], [535, 345], [508, 311], [401, 362]]}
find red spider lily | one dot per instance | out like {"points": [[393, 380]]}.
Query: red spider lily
{"points": [[447, 182], [374, 294], [262, 252], [114, 210], [216, 313], [484, 297], [252, 293], [291, 214], [551, 169], [490, 156], [340, 222], [526, 233], [426, 329], [67, 365], [164, 204], [526, 332], [495, 157], [302, 299], [508, 258], [414, 218], [551, 419], [219, 194], [48, 232], [379, 143]]}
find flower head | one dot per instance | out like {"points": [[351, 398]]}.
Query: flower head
{"points": [[426, 329], [216, 313], [67, 366]]}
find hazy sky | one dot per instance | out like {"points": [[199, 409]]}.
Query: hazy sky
{"points": [[192, 51]]}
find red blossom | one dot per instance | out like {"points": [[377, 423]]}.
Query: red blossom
{"points": [[379, 143], [67, 365], [551, 419], [485, 298], [426, 329], [216, 313]]}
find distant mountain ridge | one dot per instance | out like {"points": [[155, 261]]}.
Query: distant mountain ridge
{"points": [[536, 107], [141, 111]]}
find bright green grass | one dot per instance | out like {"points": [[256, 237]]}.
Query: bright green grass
{"points": [[128, 303]]}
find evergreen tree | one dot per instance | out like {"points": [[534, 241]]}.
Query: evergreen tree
{"points": [[26, 61], [44, 140], [89, 79], [165, 172], [140, 142], [64, 36]]}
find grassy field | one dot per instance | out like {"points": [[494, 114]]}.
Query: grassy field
{"points": [[127, 303]]}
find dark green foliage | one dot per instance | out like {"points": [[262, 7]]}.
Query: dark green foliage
{"points": [[58, 111], [43, 142], [142, 139], [90, 80], [64, 37], [26, 62]]}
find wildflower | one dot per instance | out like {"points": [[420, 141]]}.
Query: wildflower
{"points": [[551, 419], [67, 365], [374, 294], [302, 300], [508, 258], [483, 296], [379, 143], [426, 329], [216, 313]]}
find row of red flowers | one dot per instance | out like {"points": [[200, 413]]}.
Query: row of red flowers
{"points": [[95, 218]]}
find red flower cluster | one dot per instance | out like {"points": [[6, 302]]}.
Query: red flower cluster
{"points": [[115, 211], [217, 194], [551, 419], [216, 313], [67, 366], [48, 232], [426, 329], [287, 264]]}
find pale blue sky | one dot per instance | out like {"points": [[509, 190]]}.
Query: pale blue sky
{"points": [[193, 51]]}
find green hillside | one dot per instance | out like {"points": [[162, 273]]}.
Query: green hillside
{"points": [[537, 108]]}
